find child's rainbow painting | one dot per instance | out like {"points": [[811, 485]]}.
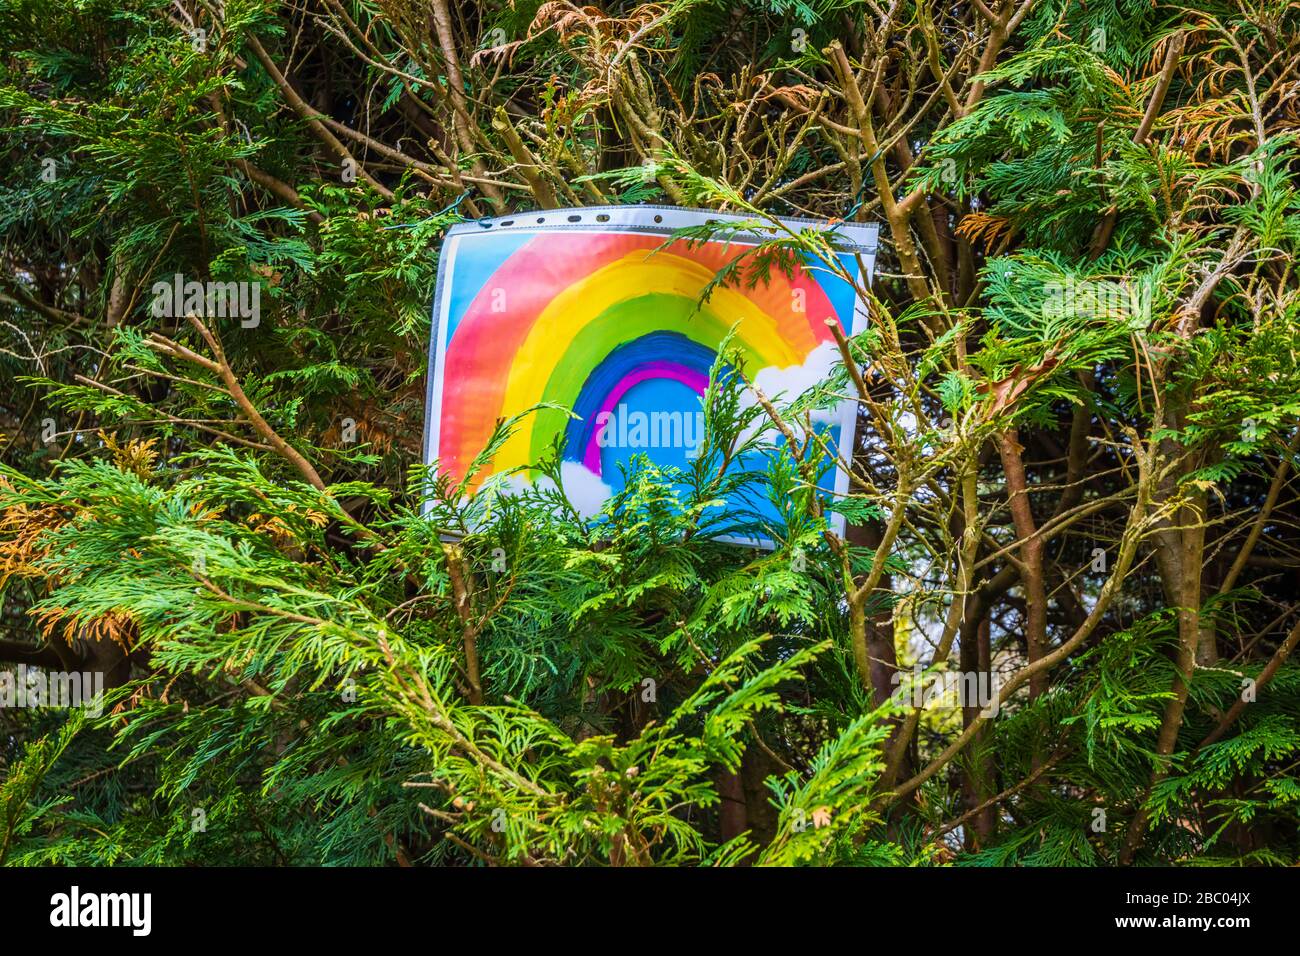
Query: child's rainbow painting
{"points": [[586, 309]]}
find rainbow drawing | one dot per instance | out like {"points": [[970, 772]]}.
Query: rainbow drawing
{"points": [[588, 310]]}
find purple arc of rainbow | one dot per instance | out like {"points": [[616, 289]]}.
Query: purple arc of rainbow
{"points": [[622, 369], [692, 379]]}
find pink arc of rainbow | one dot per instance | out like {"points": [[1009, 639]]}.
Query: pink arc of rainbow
{"points": [[689, 377]]}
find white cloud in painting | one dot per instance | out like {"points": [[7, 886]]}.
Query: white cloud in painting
{"points": [[784, 385], [789, 383], [586, 491]]}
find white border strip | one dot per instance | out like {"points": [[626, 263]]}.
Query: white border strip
{"points": [[850, 236]]}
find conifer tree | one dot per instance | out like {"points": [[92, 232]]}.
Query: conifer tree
{"points": [[1057, 629]]}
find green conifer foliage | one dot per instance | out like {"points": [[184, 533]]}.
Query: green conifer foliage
{"points": [[1058, 627]]}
